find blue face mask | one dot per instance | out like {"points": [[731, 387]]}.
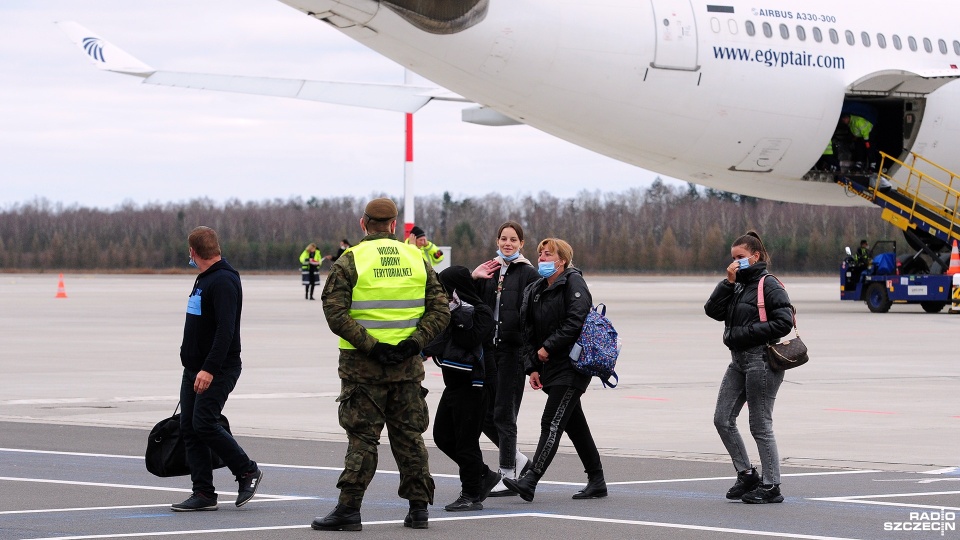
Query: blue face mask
{"points": [[193, 263], [547, 268], [510, 258]]}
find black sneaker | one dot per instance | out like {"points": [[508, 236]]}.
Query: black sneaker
{"points": [[249, 483], [747, 481], [196, 503], [763, 495], [487, 483], [464, 503]]}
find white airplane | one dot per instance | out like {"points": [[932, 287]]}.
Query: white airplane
{"points": [[732, 95]]}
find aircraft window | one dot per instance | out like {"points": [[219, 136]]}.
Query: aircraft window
{"points": [[897, 44], [956, 48], [927, 45], [732, 26], [715, 25], [834, 37], [784, 31], [767, 30], [943, 46], [801, 33], [751, 30], [850, 39], [865, 38], [881, 41], [912, 43], [817, 34]]}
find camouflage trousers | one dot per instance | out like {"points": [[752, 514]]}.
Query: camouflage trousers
{"points": [[364, 410]]}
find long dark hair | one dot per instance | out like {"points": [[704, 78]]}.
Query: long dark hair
{"points": [[753, 243]]}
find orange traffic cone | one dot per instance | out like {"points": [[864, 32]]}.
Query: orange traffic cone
{"points": [[954, 260], [62, 292]]}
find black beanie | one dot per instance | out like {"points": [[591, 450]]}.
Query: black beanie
{"points": [[417, 232]]}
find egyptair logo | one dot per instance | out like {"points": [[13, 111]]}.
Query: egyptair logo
{"points": [[94, 48]]}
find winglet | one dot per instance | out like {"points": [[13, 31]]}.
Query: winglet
{"points": [[102, 53]]}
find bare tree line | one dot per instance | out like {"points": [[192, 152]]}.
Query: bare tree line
{"points": [[661, 229]]}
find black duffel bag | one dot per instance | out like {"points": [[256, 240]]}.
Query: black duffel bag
{"points": [[166, 454]]}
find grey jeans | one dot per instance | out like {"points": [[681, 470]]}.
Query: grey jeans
{"points": [[749, 380]]}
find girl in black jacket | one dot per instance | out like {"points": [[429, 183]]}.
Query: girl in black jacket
{"points": [[554, 310], [500, 282], [749, 379], [459, 353]]}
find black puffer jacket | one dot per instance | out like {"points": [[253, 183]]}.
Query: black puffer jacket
{"points": [[552, 317], [458, 349], [736, 305], [515, 280]]}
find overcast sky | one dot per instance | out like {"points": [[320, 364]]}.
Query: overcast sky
{"points": [[75, 135]]}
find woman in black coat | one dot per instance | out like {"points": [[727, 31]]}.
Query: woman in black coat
{"points": [[554, 310], [749, 378], [501, 282]]}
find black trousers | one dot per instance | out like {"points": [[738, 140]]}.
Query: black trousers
{"points": [[563, 414], [504, 391], [202, 432], [456, 432]]}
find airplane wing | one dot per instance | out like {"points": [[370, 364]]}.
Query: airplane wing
{"points": [[399, 97]]}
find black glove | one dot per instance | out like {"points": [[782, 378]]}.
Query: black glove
{"points": [[385, 353], [408, 348]]}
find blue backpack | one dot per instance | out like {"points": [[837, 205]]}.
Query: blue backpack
{"points": [[596, 351]]}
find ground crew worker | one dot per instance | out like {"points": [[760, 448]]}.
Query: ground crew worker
{"points": [[310, 269], [828, 161], [431, 253], [862, 256], [385, 303], [860, 128]]}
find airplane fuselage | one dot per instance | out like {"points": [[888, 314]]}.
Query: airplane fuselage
{"points": [[684, 88]]}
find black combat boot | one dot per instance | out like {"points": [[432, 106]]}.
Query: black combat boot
{"points": [[418, 516], [342, 518], [596, 487], [747, 481], [525, 486]]}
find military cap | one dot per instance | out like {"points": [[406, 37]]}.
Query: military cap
{"points": [[382, 209]]}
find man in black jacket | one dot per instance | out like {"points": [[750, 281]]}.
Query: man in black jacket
{"points": [[210, 355]]}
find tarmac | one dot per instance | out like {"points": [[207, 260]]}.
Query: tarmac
{"points": [[867, 430]]}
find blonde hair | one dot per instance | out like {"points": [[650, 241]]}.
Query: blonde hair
{"points": [[560, 247], [311, 247]]}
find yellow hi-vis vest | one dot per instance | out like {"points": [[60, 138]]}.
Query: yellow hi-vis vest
{"points": [[388, 299]]}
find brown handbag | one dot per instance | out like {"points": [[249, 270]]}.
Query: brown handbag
{"points": [[785, 354]]}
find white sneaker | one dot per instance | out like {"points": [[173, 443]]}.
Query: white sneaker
{"points": [[501, 490], [523, 463]]}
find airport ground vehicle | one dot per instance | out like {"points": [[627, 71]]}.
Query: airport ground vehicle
{"points": [[880, 284]]}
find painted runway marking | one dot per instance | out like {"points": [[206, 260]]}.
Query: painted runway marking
{"points": [[437, 475], [868, 499], [268, 498], [741, 532], [861, 411], [170, 399], [712, 478]]}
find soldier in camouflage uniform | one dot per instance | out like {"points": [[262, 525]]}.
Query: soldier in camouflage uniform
{"points": [[383, 326]]}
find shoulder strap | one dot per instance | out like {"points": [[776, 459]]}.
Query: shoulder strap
{"points": [[760, 303]]}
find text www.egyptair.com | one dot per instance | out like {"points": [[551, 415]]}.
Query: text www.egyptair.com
{"points": [[772, 58]]}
